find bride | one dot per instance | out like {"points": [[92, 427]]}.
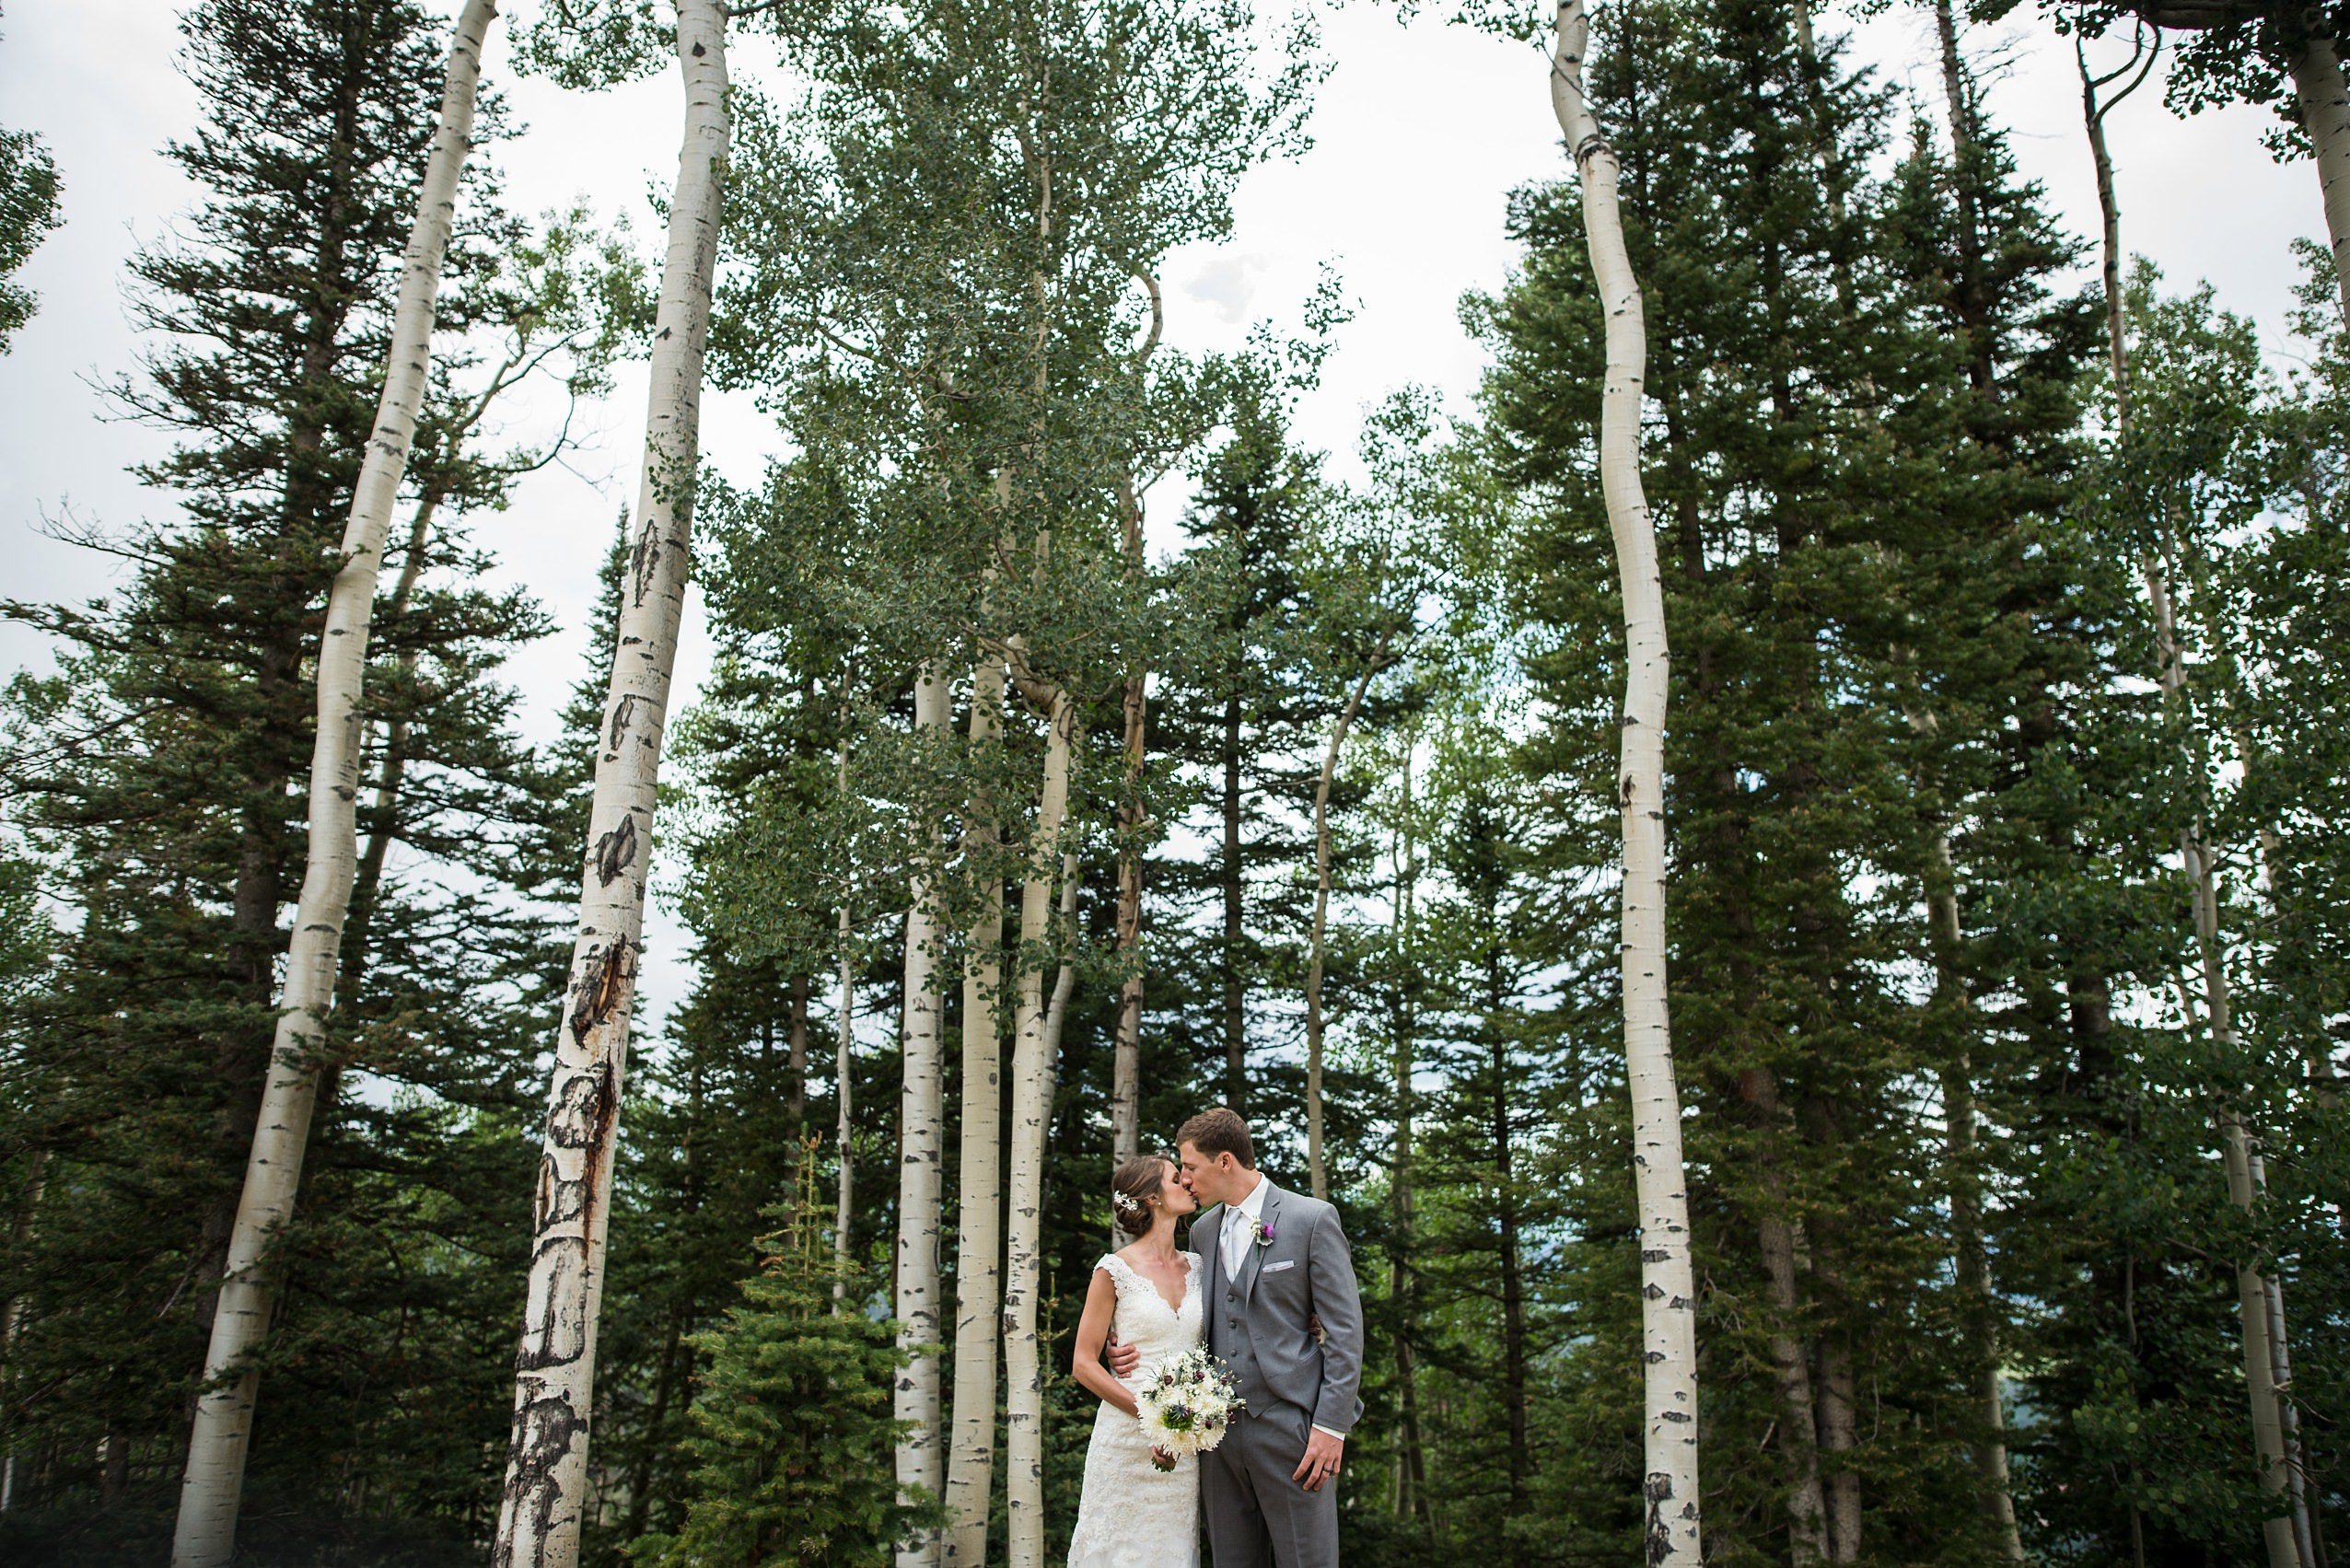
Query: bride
{"points": [[1133, 1514]]}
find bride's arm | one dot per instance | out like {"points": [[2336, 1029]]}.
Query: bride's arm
{"points": [[1101, 1306]]}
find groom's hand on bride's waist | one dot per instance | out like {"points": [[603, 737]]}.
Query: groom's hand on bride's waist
{"points": [[1123, 1357]]}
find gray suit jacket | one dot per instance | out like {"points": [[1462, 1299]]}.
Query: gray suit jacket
{"points": [[1256, 1319]]}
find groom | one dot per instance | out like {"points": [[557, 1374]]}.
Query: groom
{"points": [[1274, 1262]]}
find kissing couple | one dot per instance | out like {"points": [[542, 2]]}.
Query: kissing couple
{"points": [[1267, 1286]]}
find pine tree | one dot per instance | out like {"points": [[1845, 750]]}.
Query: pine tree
{"points": [[1814, 501], [792, 1427], [1237, 723]]}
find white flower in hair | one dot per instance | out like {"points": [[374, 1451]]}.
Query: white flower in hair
{"points": [[1125, 1204]]}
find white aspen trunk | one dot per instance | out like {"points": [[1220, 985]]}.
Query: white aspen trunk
{"points": [[1032, 1089], [2325, 114], [1317, 1163], [1126, 1048], [1839, 1435], [2260, 1303], [2117, 345], [1410, 1462], [543, 1508], [1971, 1262], [213, 1486], [844, 1085], [2110, 214], [1127, 1042], [921, 1116], [1669, 1290], [2239, 1158], [979, 1243]]}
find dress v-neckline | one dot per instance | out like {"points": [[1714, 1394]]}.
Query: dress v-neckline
{"points": [[1174, 1307]]}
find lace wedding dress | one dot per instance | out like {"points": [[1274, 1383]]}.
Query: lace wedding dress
{"points": [[1131, 1514]]}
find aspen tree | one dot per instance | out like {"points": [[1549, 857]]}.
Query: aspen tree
{"points": [[921, 1136], [1126, 1065], [1669, 1329], [541, 1513], [1366, 580], [213, 1484], [2316, 64], [1317, 1161], [970, 1463], [972, 339], [2246, 49], [1411, 1458], [2286, 1537], [1035, 1026], [845, 1078], [2261, 1317]]}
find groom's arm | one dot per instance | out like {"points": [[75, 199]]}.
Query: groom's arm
{"points": [[1338, 1301]]}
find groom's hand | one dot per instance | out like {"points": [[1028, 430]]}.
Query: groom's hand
{"points": [[1320, 1463], [1123, 1357]]}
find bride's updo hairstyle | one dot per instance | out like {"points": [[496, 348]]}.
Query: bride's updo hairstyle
{"points": [[1133, 1194]]}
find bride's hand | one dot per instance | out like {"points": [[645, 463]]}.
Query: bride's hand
{"points": [[1160, 1459]]}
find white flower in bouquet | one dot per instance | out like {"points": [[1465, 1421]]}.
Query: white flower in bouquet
{"points": [[1187, 1405]]}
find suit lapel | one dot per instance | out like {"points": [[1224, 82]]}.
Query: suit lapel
{"points": [[1252, 1254]]}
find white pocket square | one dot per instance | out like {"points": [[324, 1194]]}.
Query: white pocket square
{"points": [[1276, 1267]]}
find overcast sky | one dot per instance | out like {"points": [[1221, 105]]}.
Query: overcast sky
{"points": [[1420, 135]]}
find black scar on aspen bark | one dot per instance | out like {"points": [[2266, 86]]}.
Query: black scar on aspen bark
{"points": [[616, 851], [623, 715], [603, 1113], [1659, 1492], [545, 1430], [646, 555], [572, 1123], [560, 1201], [600, 990], [558, 1267]]}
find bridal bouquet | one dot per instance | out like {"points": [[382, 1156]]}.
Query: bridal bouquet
{"points": [[1188, 1405]]}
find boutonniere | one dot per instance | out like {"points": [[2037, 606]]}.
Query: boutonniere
{"points": [[1265, 1234]]}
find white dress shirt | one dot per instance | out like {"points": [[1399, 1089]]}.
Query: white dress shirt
{"points": [[1241, 1221]]}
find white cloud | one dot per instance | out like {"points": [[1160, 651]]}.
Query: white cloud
{"points": [[1228, 284]]}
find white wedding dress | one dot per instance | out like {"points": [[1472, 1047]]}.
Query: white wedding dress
{"points": [[1131, 1514]]}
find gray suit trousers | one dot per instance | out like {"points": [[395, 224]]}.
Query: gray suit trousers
{"points": [[1257, 1516]]}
